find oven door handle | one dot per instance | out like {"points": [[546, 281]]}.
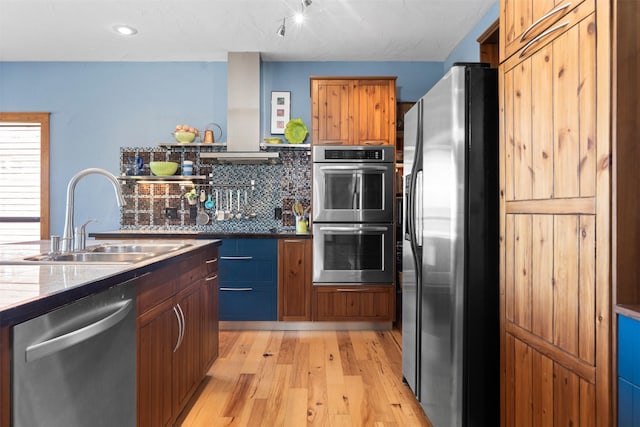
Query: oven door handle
{"points": [[356, 229], [359, 167]]}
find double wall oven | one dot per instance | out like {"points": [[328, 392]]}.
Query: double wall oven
{"points": [[353, 194]]}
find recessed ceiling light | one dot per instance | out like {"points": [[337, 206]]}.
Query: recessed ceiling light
{"points": [[124, 30]]}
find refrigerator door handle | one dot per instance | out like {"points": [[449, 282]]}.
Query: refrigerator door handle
{"points": [[416, 176], [417, 210]]}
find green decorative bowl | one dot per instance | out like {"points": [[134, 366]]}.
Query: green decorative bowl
{"points": [[295, 131], [184, 137], [163, 168]]}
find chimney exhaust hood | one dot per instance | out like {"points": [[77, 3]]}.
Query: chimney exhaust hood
{"points": [[243, 113]]}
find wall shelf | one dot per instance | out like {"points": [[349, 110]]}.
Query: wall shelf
{"points": [[284, 147], [163, 179], [196, 146]]}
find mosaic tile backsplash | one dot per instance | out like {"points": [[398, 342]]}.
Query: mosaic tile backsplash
{"points": [[274, 186]]}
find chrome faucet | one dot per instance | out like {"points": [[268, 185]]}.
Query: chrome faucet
{"points": [[67, 235]]}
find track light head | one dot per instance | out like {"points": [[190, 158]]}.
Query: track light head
{"points": [[306, 3], [281, 28]]}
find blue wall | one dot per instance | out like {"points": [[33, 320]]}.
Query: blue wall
{"points": [[467, 50], [98, 107]]}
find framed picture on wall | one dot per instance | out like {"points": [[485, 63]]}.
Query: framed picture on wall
{"points": [[280, 111]]}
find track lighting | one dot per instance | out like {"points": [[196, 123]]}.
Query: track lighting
{"points": [[297, 17], [282, 29]]}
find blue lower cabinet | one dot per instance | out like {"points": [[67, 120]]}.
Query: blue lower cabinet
{"points": [[629, 349], [628, 404], [248, 272], [628, 372]]}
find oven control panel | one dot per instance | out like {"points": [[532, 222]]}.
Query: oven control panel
{"points": [[355, 154]]}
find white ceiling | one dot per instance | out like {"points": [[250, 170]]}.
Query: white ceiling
{"points": [[187, 30]]}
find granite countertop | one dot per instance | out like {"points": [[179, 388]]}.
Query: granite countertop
{"points": [[186, 234], [29, 289]]}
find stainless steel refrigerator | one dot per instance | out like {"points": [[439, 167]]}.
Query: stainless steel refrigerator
{"points": [[450, 320]]}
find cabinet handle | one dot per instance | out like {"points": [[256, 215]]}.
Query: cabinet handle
{"points": [[351, 290], [542, 35], [236, 258], [542, 18], [325, 142], [354, 230], [211, 261], [175, 311], [184, 325], [236, 289], [214, 277], [373, 142]]}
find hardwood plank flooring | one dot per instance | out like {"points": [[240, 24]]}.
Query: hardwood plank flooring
{"points": [[305, 378]]}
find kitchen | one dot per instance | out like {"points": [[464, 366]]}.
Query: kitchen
{"points": [[188, 96]]}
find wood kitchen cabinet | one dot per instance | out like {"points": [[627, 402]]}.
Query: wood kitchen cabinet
{"points": [[522, 21], [294, 279], [353, 110], [176, 332], [374, 303], [555, 306], [187, 359], [626, 204], [211, 310], [157, 337]]}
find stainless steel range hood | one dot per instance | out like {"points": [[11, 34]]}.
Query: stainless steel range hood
{"points": [[243, 113]]}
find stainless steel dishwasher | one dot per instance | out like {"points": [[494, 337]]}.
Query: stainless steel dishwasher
{"points": [[76, 366]]}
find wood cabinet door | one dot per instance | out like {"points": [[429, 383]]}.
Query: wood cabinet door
{"points": [[332, 110], [555, 304], [157, 337], [521, 21], [210, 327], [294, 279], [187, 366], [376, 112]]}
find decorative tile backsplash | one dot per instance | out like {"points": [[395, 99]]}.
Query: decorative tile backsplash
{"points": [[274, 186]]}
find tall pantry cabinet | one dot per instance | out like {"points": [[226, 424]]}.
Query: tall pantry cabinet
{"points": [[555, 214]]}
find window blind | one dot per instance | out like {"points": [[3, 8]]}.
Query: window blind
{"points": [[19, 182]]}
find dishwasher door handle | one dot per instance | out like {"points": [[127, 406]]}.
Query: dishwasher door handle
{"points": [[54, 345]]}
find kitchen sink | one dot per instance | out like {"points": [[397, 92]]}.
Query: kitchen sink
{"points": [[155, 248], [93, 257], [111, 253]]}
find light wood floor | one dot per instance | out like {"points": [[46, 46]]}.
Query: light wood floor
{"points": [[305, 378]]}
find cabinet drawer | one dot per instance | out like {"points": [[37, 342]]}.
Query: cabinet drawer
{"points": [[190, 270], [248, 260], [353, 303], [245, 301], [155, 287], [535, 39], [243, 269], [257, 248], [524, 20]]}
